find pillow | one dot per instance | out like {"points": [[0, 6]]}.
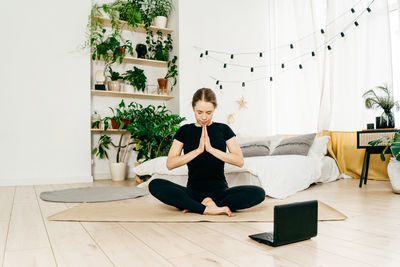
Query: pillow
{"points": [[298, 145], [258, 146], [159, 166], [319, 147], [255, 149]]}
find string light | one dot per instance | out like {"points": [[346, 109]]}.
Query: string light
{"points": [[300, 66]]}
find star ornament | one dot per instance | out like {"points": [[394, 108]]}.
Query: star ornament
{"points": [[242, 103], [231, 119]]}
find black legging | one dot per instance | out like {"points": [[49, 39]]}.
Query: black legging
{"points": [[237, 197]]}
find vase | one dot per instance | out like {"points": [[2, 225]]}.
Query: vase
{"points": [[162, 86], [390, 119], [381, 121], [160, 22], [393, 170], [141, 50], [118, 171]]}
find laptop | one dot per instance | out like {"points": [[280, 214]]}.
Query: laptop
{"points": [[292, 223]]}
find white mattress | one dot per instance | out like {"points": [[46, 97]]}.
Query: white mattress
{"points": [[280, 176]]}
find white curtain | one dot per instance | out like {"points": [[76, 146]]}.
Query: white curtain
{"points": [[326, 93]]}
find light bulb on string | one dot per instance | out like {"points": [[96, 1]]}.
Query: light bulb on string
{"points": [[220, 87], [368, 9], [224, 65], [252, 69], [243, 84], [206, 53], [356, 23], [283, 66], [260, 54], [270, 79], [342, 34], [291, 46], [300, 66], [352, 10], [313, 53], [217, 82], [329, 47], [201, 55], [322, 31], [231, 56]]}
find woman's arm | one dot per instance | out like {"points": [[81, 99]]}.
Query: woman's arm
{"points": [[175, 159], [234, 156]]}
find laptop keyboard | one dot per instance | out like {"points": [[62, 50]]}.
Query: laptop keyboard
{"points": [[268, 236]]}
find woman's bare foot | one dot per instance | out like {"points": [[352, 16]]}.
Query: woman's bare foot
{"points": [[208, 202], [215, 210], [185, 211]]}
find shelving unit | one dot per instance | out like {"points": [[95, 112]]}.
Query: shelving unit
{"points": [[140, 28], [130, 95]]}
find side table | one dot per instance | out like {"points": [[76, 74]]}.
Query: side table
{"points": [[365, 136]]}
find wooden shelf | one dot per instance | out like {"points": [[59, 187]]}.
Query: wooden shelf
{"points": [[140, 28], [109, 131], [141, 61], [130, 95]]}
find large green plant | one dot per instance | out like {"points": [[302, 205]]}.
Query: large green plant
{"points": [[136, 78], [158, 47], [153, 129]]}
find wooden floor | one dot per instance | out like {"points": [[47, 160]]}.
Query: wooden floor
{"points": [[369, 237]]}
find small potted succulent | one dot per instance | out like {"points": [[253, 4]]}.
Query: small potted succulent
{"points": [[114, 76], [393, 167]]}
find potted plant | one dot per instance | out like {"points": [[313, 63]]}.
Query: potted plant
{"points": [[136, 78], [160, 11], [95, 120], [394, 163], [158, 47], [130, 12], [114, 84], [384, 101], [122, 116], [172, 72], [153, 129]]}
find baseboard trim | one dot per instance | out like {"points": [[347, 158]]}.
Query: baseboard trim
{"points": [[45, 180]]}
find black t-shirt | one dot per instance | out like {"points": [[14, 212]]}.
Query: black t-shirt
{"points": [[206, 172]]}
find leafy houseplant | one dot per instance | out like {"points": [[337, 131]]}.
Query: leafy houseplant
{"points": [[130, 11], [172, 71], [114, 84], [160, 8], [152, 129], [158, 47], [136, 78], [386, 102], [393, 167]]}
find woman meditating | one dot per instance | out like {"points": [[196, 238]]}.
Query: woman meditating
{"points": [[204, 144]]}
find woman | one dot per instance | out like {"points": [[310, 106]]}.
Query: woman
{"points": [[204, 144]]}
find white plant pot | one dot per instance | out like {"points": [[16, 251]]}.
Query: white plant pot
{"points": [[160, 22], [113, 86], [118, 171], [394, 174], [128, 88]]}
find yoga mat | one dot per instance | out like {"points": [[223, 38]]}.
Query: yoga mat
{"points": [[149, 209], [93, 194]]}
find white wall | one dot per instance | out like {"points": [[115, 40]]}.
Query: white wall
{"points": [[44, 97], [236, 26]]}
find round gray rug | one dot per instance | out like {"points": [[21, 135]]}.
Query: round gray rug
{"points": [[93, 194]]}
